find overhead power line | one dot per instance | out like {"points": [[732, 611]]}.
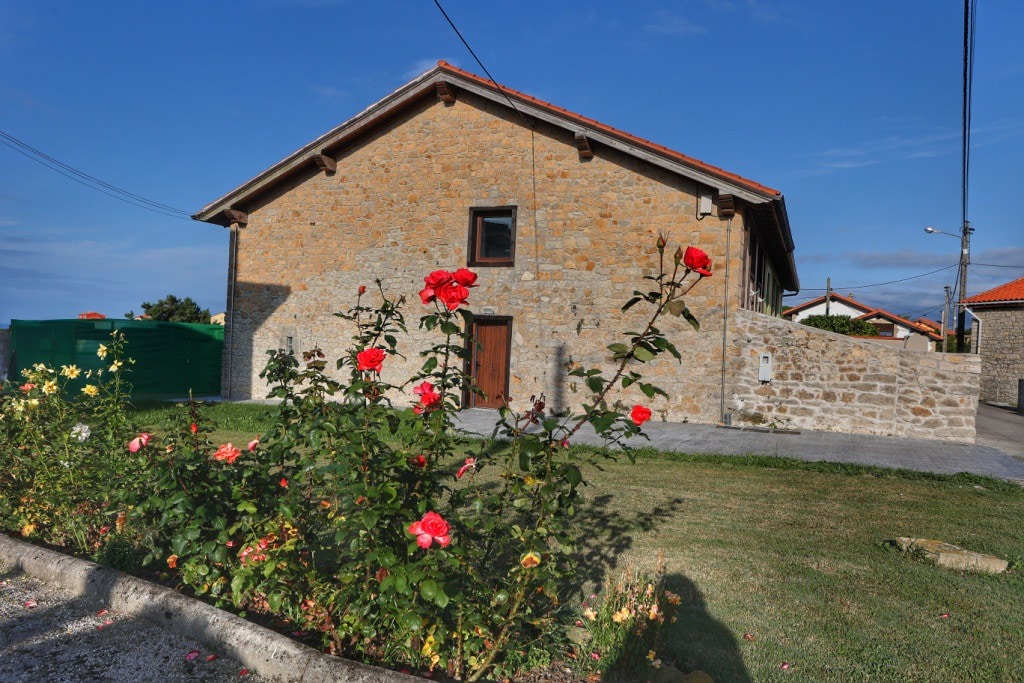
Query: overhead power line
{"points": [[879, 284], [90, 181]]}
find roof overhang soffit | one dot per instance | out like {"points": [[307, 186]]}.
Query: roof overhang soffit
{"points": [[772, 225]]}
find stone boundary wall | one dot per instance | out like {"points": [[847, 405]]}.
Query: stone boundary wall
{"points": [[1002, 353], [830, 382]]}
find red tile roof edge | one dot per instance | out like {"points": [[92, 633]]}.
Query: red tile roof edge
{"points": [[835, 297], [1009, 292], [917, 327], [652, 146]]}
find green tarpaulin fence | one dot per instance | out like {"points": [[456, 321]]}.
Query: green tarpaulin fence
{"points": [[170, 358]]}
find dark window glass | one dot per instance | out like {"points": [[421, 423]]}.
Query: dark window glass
{"points": [[492, 236]]}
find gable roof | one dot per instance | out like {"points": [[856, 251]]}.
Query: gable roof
{"points": [[899, 320], [768, 208], [849, 301], [1011, 292]]}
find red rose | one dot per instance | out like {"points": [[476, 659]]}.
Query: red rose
{"points": [[452, 295], [370, 359], [469, 464], [419, 461], [437, 279], [698, 261], [640, 414], [465, 277], [429, 529], [193, 428], [139, 442], [362, 290], [227, 452], [429, 399]]}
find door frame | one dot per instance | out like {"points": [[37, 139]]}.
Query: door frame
{"points": [[469, 397]]}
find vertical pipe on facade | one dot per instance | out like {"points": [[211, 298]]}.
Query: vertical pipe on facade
{"points": [[725, 312], [232, 266]]}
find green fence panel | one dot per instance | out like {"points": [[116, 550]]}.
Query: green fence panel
{"points": [[170, 358]]}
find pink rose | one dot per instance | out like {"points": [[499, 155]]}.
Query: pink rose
{"points": [[469, 464], [139, 442], [429, 529], [370, 359], [227, 452], [253, 444], [640, 414], [696, 260]]}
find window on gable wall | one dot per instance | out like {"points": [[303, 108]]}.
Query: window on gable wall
{"points": [[492, 236]]}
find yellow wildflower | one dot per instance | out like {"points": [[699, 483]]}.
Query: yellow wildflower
{"points": [[90, 390], [622, 615], [32, 403], [70, 371], [590, 614], [529, 560], [115, 366], [102, 351], [50, 387], [428, 646], [651, 655], [28, 529], [673, 599]]}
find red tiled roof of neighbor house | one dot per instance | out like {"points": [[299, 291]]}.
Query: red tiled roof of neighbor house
{"points": [[91, 315], [1011, 292], [849, 301], [916, 327], [653, 146]]}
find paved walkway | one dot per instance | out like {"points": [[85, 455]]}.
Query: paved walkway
{"points": [[993, 456]]}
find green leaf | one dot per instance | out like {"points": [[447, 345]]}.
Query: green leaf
{"points": [[370, 518], [642, 354], [441, 599], [429, 365], [247, 506], [412, 621], [275, 600], [676, 307], [573, 475], [691, 319], [632, 302], [595, 383], [428, 589], [649, 390], [618, 349]]}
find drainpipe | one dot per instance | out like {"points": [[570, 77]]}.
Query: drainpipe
{"points": [[976, 342], [726, 210], [232, 265]]}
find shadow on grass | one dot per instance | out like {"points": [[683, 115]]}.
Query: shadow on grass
{"points": [[696, 641]]}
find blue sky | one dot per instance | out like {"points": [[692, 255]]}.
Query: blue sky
{"points": [[852, 110]]}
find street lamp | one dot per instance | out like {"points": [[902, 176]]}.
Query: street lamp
{"points": [[965, 258]]}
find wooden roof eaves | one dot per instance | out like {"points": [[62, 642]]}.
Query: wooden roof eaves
{"points": [[423, 86]]}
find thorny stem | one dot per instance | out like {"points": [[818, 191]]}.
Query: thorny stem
{"points": [[503, 634]]}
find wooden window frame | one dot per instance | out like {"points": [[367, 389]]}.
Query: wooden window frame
{"points": [[476, 216]]}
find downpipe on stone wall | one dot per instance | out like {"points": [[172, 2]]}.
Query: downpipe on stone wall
{"points": [[726, 209]]}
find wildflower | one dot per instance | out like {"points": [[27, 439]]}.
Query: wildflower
{"points": [[227, 452], [172, 561], [284, 483], [32, 403], [102, 351], [673, 599], [651, 655], [115, 366], [90, 390], [70, 371], [27, 530], [139, 442], [50, 387], [469, 464], [27, 387], [80, 431], [622, 615], [431, 528], [529, 560], [653, 613], [590, 614], [596, 656], [253, 444]]}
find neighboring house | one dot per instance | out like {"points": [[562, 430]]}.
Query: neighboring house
{"points": [[559, 215], [999, 335], [218, 319], [891, 327], [91, 315], [837, 305]]}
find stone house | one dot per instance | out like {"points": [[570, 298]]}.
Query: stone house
{"points": [[999, 340], [559, 215], [892, 328]]}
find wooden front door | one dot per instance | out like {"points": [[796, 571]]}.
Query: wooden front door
{"points": [[489, 363]]}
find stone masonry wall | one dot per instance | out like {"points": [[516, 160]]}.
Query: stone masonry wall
{"points": [[1002, 353], [398, 208], [826, 381]]}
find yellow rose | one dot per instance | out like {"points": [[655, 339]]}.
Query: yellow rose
{"points": [[70, 371], [102, 351], [50, 387], [90, 390]]}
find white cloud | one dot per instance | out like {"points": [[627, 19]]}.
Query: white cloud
{"points": [[670, 23]]}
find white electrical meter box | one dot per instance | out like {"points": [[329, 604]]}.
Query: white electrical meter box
{"points": [[764, 368]]}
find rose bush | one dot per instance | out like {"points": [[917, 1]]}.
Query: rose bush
{"points": [[390, 538]]}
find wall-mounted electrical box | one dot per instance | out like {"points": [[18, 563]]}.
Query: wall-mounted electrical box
{"points": [[764, 368]]}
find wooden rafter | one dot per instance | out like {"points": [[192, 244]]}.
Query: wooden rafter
{"points": [[583, 146], [325, 163]]}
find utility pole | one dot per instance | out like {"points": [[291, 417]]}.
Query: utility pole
{"points": [[828, 294], [965, 258], [945, 312]]}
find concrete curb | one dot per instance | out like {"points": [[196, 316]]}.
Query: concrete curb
{"points": [[261, 650]]}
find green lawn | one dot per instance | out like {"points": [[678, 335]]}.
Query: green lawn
{"points": [[795, 555]]}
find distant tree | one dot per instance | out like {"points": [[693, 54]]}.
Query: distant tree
{"points": [[842, 324], [175, 310]]}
